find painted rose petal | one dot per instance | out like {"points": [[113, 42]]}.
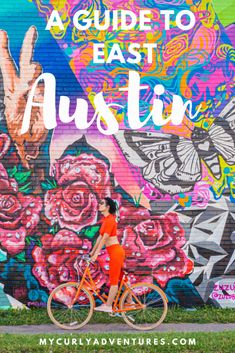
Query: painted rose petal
{"points": [[38, 255], [68, 216], [151, 235], [77, 219], [5, 142], [46, 241], [41, 274], [11, 208], [159, 257], [86, 168], [57, 258], [103, 260], [65, 295], [179, 267], [7, 185], [58, 265], [132, 215], [13, 241], [66, 238]]}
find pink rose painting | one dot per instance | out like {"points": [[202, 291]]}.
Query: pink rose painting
{"points": [[54, 261], [69, 213], [154, 246], [19, 216], [19, 213], [82, 181]]}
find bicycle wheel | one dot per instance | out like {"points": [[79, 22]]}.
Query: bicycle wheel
{"points": [[63, 313], [154, 312]]}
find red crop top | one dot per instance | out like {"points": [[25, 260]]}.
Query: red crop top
{"points": [[109, 226]]}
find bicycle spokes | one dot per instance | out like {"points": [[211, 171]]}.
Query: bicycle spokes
{"points": [[65, 311], [154, 306]]}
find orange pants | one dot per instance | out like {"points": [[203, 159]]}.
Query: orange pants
{"points": [[116, 264]]}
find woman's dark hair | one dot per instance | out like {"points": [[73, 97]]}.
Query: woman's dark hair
{"points": [[112, 205]]}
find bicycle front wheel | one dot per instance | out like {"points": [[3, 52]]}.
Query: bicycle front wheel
{"points": [[154, 301], [63, 312]]}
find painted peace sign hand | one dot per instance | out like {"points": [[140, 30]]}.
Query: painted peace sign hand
{"points": [[17, 85]]}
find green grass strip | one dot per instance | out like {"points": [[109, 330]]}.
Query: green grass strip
{"points": [[195, 342], [206, 314]]}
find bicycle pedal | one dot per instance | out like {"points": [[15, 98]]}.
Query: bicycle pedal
{"points": [[114, 314], [73, 323], [130, 318]]}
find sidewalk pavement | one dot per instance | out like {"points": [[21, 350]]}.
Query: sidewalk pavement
{"points": [[102, 328]]}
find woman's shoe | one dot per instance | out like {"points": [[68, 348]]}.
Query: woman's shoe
{"points": [[131, 303], [105, 308]]}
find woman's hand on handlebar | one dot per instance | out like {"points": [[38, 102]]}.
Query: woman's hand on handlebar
{"points": [[93, 258], [89, 258]]}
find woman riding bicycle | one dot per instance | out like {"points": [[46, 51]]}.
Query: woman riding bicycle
{"points": [[71, 305], [108, 237]]}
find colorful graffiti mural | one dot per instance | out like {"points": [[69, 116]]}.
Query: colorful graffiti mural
{"points": [[175, 184]]}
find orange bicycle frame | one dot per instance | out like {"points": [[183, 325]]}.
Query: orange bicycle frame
{"points": [[91, 286]]}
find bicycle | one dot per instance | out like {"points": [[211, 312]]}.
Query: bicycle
{"points": [[71, 304]]}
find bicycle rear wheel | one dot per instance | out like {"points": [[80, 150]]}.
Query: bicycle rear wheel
{"points": [[155, 306], [61, 311]]}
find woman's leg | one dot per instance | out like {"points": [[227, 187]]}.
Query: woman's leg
{"points": [[117, 256], [112, 293], [129, 297]]}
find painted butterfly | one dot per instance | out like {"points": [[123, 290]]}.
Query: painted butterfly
{"points": [[173, 163]]}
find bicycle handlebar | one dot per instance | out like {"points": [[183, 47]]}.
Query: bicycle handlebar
{"points": [[87, 258]]}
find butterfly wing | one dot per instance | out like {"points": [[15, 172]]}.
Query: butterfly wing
{"points": [[223, 141], [222, 133], [228, 113], [169, 162]]}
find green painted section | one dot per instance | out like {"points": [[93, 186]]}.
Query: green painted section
{"points": [[4, 302], [2, 256], [225, 11]]}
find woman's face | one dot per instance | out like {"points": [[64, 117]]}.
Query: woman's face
{"points": [[103, 206]]}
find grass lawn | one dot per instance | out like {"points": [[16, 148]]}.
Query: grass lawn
{"points": [[222, 342], [37, 316]]}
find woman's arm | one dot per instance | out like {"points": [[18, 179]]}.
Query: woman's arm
{"points": [[100, 245], [96, 244]]}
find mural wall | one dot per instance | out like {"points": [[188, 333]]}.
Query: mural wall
{"points": [[175, 184]]}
